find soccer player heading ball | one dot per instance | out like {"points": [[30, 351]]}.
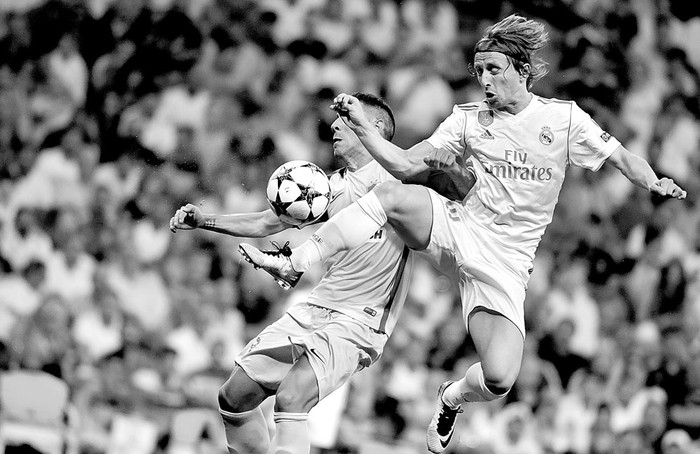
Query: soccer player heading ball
{"points": [[520, 145]]}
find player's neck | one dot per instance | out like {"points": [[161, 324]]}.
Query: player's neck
{"points": [[358, 161], [518, 104]]}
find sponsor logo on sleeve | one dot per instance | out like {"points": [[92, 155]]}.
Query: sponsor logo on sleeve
{"points": [[605, 136]]}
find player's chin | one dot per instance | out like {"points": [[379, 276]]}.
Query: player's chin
{"points": [[493, 102]]}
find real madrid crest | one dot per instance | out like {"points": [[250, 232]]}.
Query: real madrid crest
{"points": [[485, 117], [546, 136]]}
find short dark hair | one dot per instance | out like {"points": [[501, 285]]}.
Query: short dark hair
{"points": [[382, 111]]}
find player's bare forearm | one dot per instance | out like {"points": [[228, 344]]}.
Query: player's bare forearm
{"points": [[639, 172], [634, 168], [244, 225], [247, 225], [400, 163]]}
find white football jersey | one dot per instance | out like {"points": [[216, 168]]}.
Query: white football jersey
{"points": [[370, 282], [520, 161]]}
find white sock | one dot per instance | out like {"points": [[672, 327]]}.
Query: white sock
{"points": [[347, 229], [246, 432], [291, 434], [471, 388]]}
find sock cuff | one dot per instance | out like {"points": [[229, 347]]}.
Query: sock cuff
{"points": [[281, 416], [231, 416], [471, 388], [370, 204]]}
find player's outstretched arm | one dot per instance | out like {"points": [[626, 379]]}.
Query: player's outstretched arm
{"points": [[246, 225], [639, 172], [402, 164]]}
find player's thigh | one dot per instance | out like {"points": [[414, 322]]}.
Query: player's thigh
{"points": [[298, 392], [409, 211], [499, 344], [241, 393]]}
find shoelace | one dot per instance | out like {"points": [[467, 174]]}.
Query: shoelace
{"points": [[284, 249]]}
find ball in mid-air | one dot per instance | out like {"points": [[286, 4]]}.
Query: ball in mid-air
{"points": [[298, 192]]}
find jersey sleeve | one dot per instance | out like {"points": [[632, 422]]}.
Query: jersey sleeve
{"points": [[589, 144], [449, 135]]}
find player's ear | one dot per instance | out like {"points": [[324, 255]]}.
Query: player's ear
{"points": [[525, 71], [379, 124]]}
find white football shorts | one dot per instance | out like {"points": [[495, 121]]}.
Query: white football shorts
{"points": [[337, 346], [491, 275]]}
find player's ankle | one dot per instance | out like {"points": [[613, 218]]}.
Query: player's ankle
{"points": [[299, 260], [306, 254]]}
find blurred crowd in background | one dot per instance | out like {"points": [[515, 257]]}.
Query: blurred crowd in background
{"points": [[115, 113]]}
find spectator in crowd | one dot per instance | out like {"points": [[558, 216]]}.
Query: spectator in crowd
{"points": [[20, 295], [44, 342]]}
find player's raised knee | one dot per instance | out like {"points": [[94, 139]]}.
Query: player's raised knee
{"points": [[392, 195], [236, 400], [500, 381], [226, 402]]}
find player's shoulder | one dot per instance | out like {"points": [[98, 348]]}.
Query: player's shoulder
{"points": [[337, 179], [544, 100], [337, 174], [554, 101], [562, 108], [470, 109], [338, 184], [467, 106], [370, 174]]}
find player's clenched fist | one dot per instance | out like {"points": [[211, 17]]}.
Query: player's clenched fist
{"points": [[439, 159], [667, 188], [188, 217], [343, 102], [350, 110]]}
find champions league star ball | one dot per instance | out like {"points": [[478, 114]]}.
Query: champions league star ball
{"points": [[298, 192]]}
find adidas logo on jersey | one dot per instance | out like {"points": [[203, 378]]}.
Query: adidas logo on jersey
{"points": [[486, 135]]}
